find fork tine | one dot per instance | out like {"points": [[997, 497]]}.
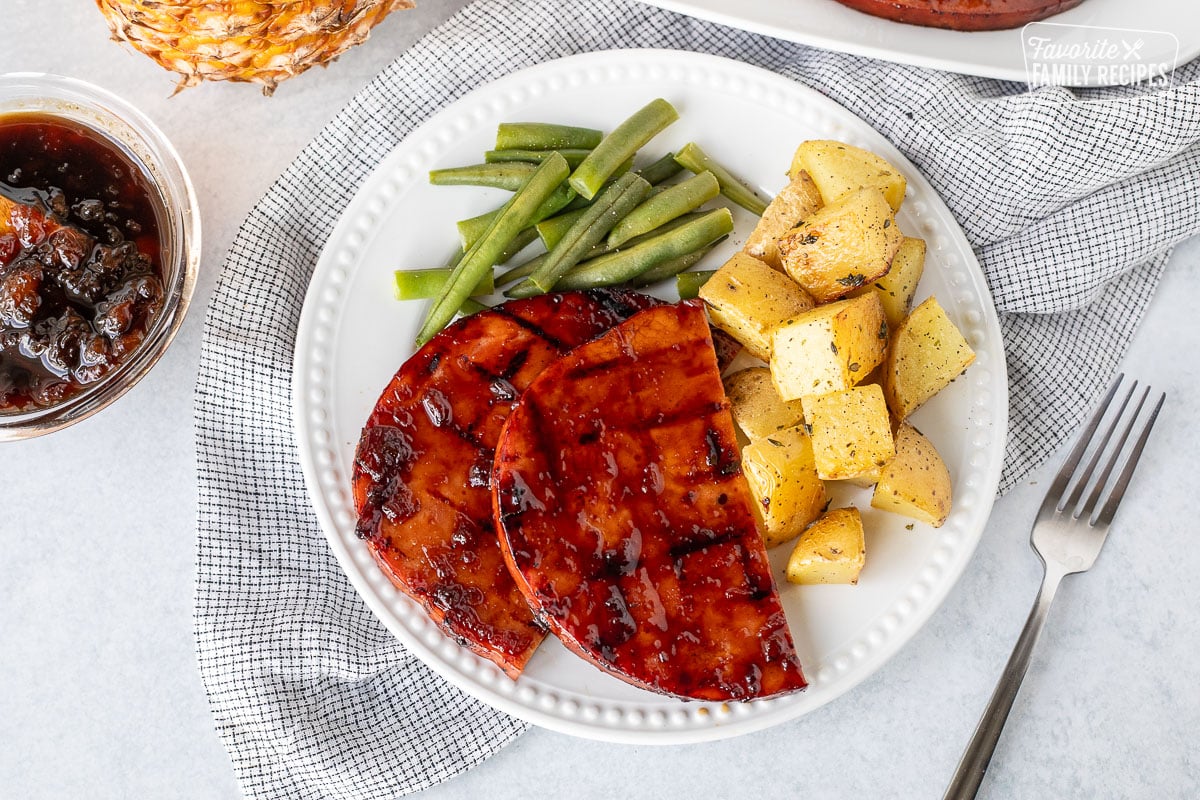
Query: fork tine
{"points": [[1086, 476], [1090, 504], [1118, 491], [1059, 485]]}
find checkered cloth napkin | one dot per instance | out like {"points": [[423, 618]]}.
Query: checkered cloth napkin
{"points": [[1071, 199]]}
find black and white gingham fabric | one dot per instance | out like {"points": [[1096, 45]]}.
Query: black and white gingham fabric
{"points": [[1072, 201]]}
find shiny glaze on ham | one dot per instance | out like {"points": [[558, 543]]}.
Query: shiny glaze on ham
{"points": [[423, 463], [963, 15], [626, 519]]}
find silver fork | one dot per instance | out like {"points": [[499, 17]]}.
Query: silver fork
{"points": [[1067, 536]]}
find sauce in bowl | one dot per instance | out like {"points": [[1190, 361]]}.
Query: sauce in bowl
{"points": [[81, 274]]}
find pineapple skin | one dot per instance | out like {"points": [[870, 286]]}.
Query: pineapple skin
{"points": [[259, 41]]}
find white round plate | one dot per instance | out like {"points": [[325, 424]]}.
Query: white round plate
{"points": [[353, 336], [991, 54]]}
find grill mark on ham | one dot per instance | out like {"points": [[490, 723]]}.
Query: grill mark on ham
{"points": [[688, 546], [618, 305], [533, 328]]}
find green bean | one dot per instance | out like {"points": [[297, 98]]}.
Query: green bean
{"points": [[691, 157], [669, 269], [471, 229], [624, 265], [516, 215], [544, 136], [511, 175], [522, 270], [573, 155], [578, 202], [597, 220], [470, 306], [417, 284], [661, 170], [622, 168], [688, 283], [562, 197], [551, 230], [527, 268], [678, 222], [522, 240], [665, 206], [620, 145]]}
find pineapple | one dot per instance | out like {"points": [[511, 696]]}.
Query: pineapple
{"points": [[263, 41]]}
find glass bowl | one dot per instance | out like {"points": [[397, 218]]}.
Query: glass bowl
{"points": [[144, 144]]}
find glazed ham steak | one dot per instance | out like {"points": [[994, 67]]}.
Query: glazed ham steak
{"points": [[963, 15], [423, 463], [626, 520]]}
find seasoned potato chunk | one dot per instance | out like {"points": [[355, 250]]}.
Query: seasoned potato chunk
{"points": [[851, 432], [747, 299], [847, 244], [897, 288], [916, 483], [867, 479], [787, 492], [838, 168], [796, 201], [829, 348], [832, 550], [756, 406], [927, 352]]}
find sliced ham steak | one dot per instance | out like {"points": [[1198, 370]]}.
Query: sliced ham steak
{"points": [[626, 519], [423, 464], [964, 15]]}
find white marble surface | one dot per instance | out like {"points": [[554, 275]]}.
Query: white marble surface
{"points": [[99, 695]]}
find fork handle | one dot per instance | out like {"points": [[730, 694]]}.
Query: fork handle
{"points": [[978, 755]]}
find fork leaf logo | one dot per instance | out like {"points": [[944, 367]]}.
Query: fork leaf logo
{"points": [[1083, 55]]}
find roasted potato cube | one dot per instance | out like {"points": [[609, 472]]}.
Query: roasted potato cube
{"points": [[897, 288], [829, 348], [796, 201], [847, 244], [851, 432], [926, 353], [746, 299], [783, 480], [837, 168], [832, 550], [867, 479], [876, 375], [916, 483], [756, 406]]}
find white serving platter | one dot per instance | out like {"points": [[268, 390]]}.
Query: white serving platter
{"points": [[1169, 35]]}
